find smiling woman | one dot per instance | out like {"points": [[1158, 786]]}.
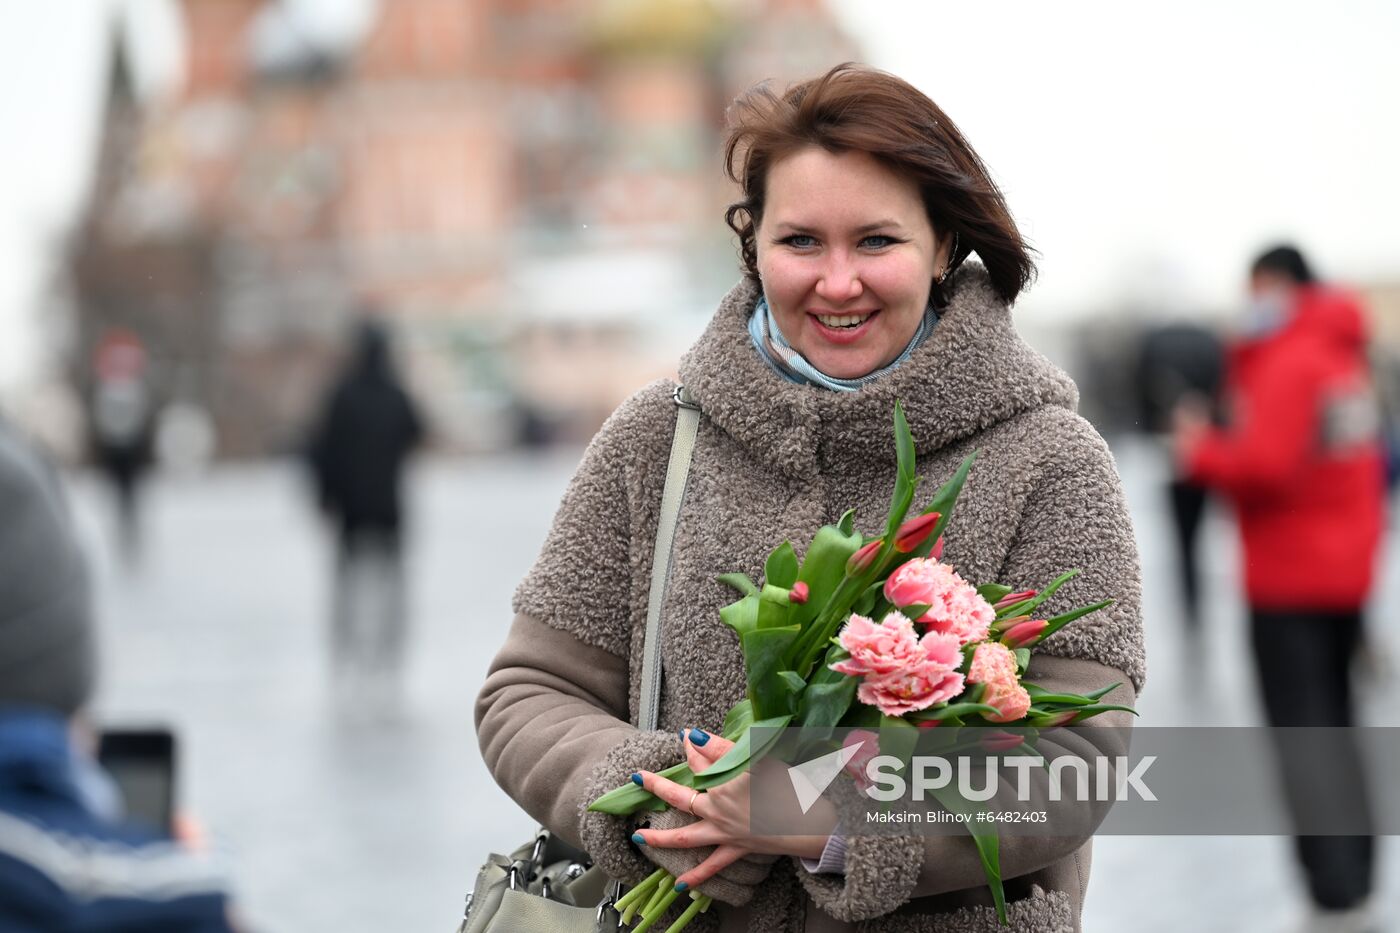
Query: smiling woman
{"points": [[859, 206]]}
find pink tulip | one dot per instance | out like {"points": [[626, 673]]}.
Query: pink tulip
{"points": [[936, 552], [861, 560], [915, 532], [879, 648], [911, 689], [992, 662], [1001, 625], [799, 593], [1010, 698], [1011, 599], [1062, 718], [955, 607], [1024, 634]]}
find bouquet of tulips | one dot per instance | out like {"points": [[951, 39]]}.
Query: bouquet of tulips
{"points": [[872, 632]]}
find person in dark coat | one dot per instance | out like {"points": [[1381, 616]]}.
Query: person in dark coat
{"points": [[68, 861], [1302, 464], [368, 428], [1178, 362]]}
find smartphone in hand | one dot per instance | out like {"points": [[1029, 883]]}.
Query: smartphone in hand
{"points": [[142, 762]]}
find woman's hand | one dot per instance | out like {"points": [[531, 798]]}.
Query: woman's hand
{"points": [[722, 817]]}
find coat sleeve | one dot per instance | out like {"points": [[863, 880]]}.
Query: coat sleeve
{"points": [[1276, 434], [551, 722], [553, 718], [1076, 517]]}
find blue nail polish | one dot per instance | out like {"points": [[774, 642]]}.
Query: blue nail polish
{"points": [[637, 838], [699, 737], [681, 733], [682, 887], [637, 779]]}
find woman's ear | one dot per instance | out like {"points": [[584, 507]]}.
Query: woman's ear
{"points": [[945, 250]]}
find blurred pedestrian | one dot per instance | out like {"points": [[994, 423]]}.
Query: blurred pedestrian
{"points": [[1181, 363], [67, 860], [1302, 464], [367, 429], [122, 427]]}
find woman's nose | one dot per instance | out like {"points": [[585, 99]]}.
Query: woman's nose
{"points": [[839, 281]]}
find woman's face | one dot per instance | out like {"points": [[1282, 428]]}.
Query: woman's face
{"points": [[847, 256]]}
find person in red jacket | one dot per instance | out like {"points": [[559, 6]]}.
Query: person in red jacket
{"points": [[1302, 465]]}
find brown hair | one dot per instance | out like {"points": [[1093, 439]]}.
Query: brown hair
{"points": [[853, 107]]}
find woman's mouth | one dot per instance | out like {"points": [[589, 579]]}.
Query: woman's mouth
{"points": [[843, 328]]}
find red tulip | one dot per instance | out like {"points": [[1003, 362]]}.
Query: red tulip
{"points": [[1011, 599], [861, 560], [799, 593], [915, 532], [1024, 634], [1051, 720]]}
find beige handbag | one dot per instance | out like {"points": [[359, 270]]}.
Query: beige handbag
{"points": [[546, 885]]}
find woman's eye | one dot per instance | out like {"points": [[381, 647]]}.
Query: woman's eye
{"points": [[878, 241], [801, 241]]}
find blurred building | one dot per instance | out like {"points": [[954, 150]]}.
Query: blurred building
{"points": [[531, 189]]}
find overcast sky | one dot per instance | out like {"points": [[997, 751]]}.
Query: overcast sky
{"points": [[1147, 150]]}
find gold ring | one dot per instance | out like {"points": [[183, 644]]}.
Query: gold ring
{"points": [[691, 805]]}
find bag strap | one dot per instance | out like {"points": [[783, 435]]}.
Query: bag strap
{"points": [[677, 471]]}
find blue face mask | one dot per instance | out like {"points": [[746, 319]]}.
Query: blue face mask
{"points": [[1263, 315]]}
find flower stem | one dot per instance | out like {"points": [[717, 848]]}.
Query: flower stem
{"points": [[695, 907], [642, 889], [654, 912], [664, 885]]}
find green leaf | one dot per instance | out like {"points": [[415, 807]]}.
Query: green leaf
{"points": [[781, 567], [847, 524], [953, 710], [1040, 695], [906, 478], [824, 568], [741, 616], [794, 682], [860, 716], [1103, 691], [988, 849], [1060, 621], [914, 612], [1087, 712], [1026, 606], [629, 798], [765, 651], [899, 738], [993, 592], [774, 608], [865, 603], [829, 693], [1023, 658], [984, 836], [944, 502], [735, 761], [737, 720], [903, 441], [740, 582]]}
